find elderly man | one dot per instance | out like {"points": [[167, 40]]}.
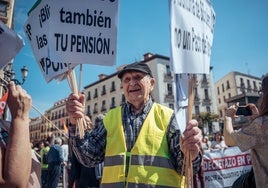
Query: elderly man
{"points": [[140, 142]]}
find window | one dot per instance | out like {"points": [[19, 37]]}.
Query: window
{"points": [[88, 111], [3, 8], [168, 70], [206, 93], [222, 87], [218, 90], [113, 86], [249, 85], [196, 108], [95, 108], [208, 108], [196, 97], [219, 100], [96, 93], [88, 96], [228, 85], [205, 80], [169, 87], [103, 90], [255, 86], [242, 85], [112, 103], [103, 106]]}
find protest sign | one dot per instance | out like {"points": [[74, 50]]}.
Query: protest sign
{"points": [[10, 44], [223, 166], [37, 29], [84, 31], [192, 28]]}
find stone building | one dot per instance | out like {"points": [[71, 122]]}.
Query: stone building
{"points": [[236, 87]]}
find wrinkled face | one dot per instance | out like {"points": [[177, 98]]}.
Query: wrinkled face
{"points": [[137, 87]]}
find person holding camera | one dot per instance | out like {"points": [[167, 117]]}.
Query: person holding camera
{"points": [[253, 137]]}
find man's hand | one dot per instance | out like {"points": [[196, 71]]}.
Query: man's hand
{"points": [[191, 138], [75, 107]]}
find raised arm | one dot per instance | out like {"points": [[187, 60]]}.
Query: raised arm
{"points": [[16, 158]]}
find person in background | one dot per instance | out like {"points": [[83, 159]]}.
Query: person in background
{"points": [[18, 168], [82, 176], [65, 151], [254, 136], [140, 133], [219, 142], [44, 162], [55, 162]]}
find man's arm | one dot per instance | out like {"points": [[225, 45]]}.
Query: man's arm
{"points": [[16, 165], [228, 129]]}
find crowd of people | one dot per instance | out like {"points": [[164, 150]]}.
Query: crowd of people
{"points": [[137, 144]]}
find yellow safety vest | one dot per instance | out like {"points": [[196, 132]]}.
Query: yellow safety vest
{"points": [[149, 164]]}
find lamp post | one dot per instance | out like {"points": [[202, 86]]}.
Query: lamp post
{"points": [[11, 75]]}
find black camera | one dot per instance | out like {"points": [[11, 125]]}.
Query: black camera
{"points": [[244, 110]]}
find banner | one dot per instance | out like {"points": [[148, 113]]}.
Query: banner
{"points": [[222, 167], [10, 44], [191, 27]]}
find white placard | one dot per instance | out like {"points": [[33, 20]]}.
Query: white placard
{"points": [[191, 27], [37, 31], [84, 31]]}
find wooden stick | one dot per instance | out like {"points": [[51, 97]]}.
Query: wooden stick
{"points": [[49, 121], [188, 168], [80, 122]]}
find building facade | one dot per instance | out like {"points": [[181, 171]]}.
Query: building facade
{"points": [[7, 12], [236, 87]]}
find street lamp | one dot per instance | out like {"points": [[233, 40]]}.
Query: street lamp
{"points": [[11, 75]]}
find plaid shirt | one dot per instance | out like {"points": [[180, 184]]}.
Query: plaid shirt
{"points": [[91, 149]]}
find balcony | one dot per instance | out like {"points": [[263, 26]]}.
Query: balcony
{"points": [[206, 102], [169, 98], [168, 78]]}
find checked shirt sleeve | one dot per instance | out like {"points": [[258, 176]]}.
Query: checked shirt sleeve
{"points": [[89, 150]]}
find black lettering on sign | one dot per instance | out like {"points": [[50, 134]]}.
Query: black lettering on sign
{"points": [[28, 31], [49, 66], [44, 15], [41, 41], [83, 44]]}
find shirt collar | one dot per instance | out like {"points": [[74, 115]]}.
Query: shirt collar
{"points": [[145, 109]]}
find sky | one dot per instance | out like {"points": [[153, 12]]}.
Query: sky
{"points": [[240, 43]]}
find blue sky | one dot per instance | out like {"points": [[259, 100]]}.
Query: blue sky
{"points": [[240, 43]]}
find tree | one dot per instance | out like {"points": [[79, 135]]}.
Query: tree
{"points": [[206, 118]]}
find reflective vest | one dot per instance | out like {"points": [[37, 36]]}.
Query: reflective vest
{"points": [[149, 164]]}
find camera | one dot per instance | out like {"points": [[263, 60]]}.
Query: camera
{"points": [[244, 110]]}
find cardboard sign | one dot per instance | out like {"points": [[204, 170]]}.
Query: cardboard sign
{"points": [[10, 44], [84, 31], [37, 30], [192, 27], [65, 33]]}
